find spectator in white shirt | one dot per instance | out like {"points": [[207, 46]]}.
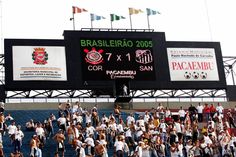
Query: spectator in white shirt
{"points": [[218, 117], [146, 117], [167, 112], [89, 130], [180, 147], [138, 150], [103, 126], [226, 152], [200, 112], [207, 139], [181, 114], [52, 117], [220, 109], [140, 121], [40, 133], [178, 128], [174, 150], [104, 119], [62, 122], [119, 147], [79, 108], [9, 117], [159, 107], [12, 129], [90, 144], [74, 108], [129, 119], [120, 128], [139, 131], [18, 139], [77, 118], [129, 137], [30, 126], [234, 148], [188, 147], [81, 150], [163, 126], [88, 117]]}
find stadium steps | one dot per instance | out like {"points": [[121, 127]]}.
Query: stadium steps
{"points": [[23, 116]]}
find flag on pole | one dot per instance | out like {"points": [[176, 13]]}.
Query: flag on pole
{"points": [[152, 12], [116, 17], [78, 10], [96, 17], [134, 11]]}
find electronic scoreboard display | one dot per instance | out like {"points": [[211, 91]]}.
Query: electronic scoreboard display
{"points": [[117, 58], [116, 55]]}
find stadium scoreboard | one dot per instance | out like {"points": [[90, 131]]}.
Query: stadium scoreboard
{"points": [[117, 58], [106, 56], [100, 59]]}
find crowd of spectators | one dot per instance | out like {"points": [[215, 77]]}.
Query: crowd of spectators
{"points": [[205, 130]]}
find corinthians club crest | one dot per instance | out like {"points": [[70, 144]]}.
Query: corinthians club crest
{"points": [[40, 56], [93, 57]]}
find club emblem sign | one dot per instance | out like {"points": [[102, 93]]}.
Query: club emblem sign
{"points": [[143, 56], [40, 56], [93, 57]]}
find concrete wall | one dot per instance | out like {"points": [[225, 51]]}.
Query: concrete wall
{"points": [[176, 105], [107, 105], [51, 106]]}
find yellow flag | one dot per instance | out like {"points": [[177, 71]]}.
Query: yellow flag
{"points": [[134, 11]]}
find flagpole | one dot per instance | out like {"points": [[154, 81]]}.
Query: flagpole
{"points": [[73, 18], [130, 21], [91, 23], [111, 18], [148, 21]]}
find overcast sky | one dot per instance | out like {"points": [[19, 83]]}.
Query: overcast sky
{"points": [[181, 20]]}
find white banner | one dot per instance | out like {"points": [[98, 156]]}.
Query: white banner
{"points": [[192, 64], [41, 63]]}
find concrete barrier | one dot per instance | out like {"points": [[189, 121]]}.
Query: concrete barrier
{"points": [[110, 105]]}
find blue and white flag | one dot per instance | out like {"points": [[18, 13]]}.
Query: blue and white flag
{"points": [[152, 12], [96, 17]]}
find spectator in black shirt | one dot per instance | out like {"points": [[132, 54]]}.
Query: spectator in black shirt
{"points": [[192, 112]]}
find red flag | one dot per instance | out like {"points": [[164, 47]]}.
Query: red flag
{"points": [[78, 10]]}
